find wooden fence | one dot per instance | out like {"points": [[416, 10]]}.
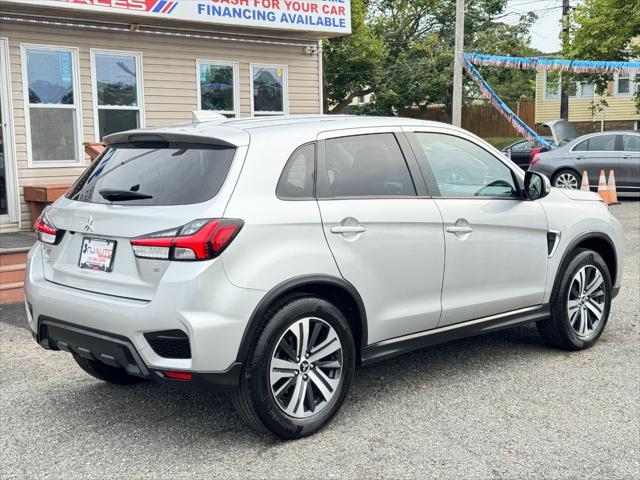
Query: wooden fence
{"points": [[483, 120]]}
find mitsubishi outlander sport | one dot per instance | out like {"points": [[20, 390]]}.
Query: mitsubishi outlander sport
{"points": [[271, 256]]}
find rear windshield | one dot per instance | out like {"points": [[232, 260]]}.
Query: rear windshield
{"points": [[175, 174]]}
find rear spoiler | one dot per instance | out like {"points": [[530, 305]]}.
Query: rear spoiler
{"points": [[203, 134]]}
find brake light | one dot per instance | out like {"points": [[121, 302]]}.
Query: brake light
{"points": [[535, 160], [185, 376], [200, 239], [46, 231]]}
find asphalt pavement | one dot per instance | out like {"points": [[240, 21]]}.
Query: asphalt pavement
{"points": [[501, 405]]}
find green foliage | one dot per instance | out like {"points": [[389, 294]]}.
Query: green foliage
{"points": [[605, 30], [352, 62], [401, 51], [501, 39]]}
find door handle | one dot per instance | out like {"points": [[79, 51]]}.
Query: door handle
{"points": [[580, 158], [348, 229], [458, 229]]}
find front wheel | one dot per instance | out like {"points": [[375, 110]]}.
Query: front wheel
{"points": [[300, 370], [566, 179], [580, 309]]}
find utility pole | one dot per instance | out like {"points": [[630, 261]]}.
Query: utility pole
{"points": [[456, 113], [564, 86]]}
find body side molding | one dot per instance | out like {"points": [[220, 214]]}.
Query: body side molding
{"points": [[399, 345]]}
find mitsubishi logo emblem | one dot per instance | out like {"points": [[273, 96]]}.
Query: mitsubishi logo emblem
{"points": [[89, 225]]}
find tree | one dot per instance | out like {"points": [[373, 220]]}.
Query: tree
{"points": [[605, 30], [511, 85], [401, 51], [352, 62]]}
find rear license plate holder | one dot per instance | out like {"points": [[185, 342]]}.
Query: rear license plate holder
{"points": [[97, 254]]}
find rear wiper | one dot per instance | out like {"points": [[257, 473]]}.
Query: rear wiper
{"points": [[115, 195]]}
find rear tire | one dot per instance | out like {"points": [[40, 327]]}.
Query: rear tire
{"points": [[580, 307], [106, 373], [567, 179], [300, 369]]}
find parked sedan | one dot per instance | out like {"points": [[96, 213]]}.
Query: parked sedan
{"points": [[617, 151], [520, 152]]}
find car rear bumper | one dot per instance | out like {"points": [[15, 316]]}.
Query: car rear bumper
{"points": [[199, 301], [119, 352]]}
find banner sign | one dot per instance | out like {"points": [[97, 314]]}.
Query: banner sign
{"points": [[533, 63], [515, 121], [323, 16]]}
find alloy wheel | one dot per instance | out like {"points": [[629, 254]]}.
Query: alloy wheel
{"points": [[566, 180], [586, 301], [306, 367]]}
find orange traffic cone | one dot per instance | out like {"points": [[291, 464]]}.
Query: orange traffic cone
{"points": [[611, 189], [585, 182], [602, 187]]}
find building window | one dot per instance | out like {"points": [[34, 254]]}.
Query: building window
{"points": [[581, 89], [218, 88], [117, 92], [551, 84], [52, 105], [624, 85], [269, 87]]}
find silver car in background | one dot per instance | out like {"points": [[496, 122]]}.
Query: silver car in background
{"points": [[616, 150]]}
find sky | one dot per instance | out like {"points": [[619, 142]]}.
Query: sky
{"points": [[545, 32]]}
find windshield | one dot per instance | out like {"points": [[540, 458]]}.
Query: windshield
{"points": [[174, 174]]}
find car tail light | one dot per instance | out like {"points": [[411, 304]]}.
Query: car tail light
{"points": [[46, 231], [535, 151], [535, 160], [184, 376], [200, 239]]}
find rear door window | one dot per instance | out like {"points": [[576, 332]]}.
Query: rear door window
{"points": [[366, 166], [631, 143], [602, 143], [172, 174]]}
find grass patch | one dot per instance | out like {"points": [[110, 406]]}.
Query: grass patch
{"points": [[501, 142]]}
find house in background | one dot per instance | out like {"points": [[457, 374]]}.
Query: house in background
{"points": [[620, 114], [73, 71]]}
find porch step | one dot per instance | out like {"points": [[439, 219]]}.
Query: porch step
{"points": [[12, 274], [12, 270], [11, 293]]}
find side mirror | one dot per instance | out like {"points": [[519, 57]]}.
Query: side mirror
{"points": [[536, 185], [507, 152]]}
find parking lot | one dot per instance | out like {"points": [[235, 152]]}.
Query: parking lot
{"points": [[497, 406]]}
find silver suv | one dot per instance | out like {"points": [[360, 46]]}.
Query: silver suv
{"points": [[271, 256]]}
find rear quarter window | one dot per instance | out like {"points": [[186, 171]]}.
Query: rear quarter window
{"points": [[173, 174]]}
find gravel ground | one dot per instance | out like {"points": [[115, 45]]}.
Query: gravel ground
{"points": [[497, 406]]}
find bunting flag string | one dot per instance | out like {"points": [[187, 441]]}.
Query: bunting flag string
{"points": [[540, 64], [502, 107]]}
